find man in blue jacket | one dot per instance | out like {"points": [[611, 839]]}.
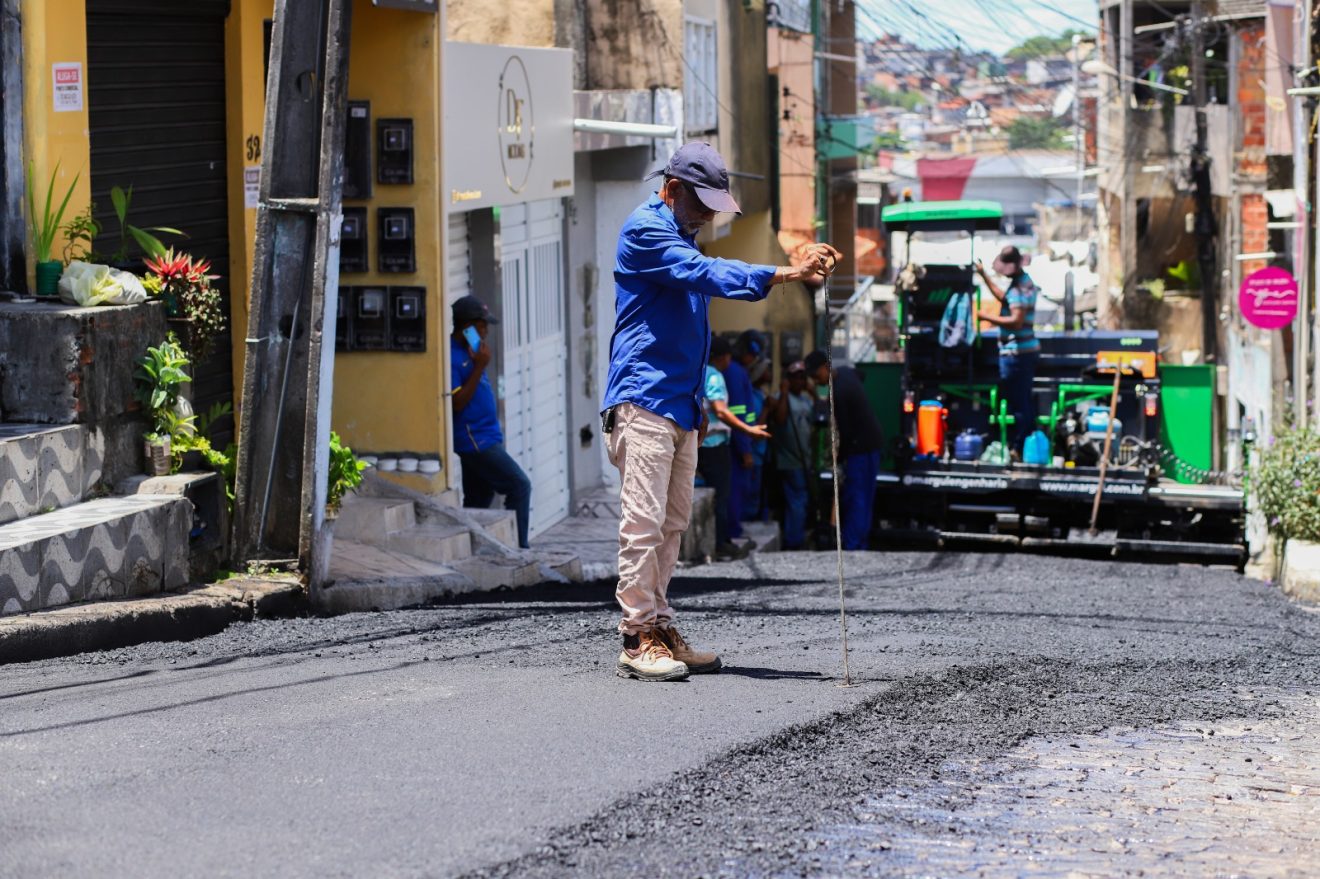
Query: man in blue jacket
{"points": [[478, 439], [652, 412]]}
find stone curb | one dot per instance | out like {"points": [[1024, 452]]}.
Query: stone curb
{"points": [[176, 616]]}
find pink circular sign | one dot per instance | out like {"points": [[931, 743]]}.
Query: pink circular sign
{"points": [[1268, 298]]}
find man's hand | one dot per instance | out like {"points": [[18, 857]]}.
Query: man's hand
{"points": [[758, 431], [703, 429], [818, 261], [481, 356]]}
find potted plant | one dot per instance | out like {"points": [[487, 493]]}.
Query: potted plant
{"points": [[345, 475], [192, 448], [184, 284], [156, 447], [79, 233], [160, 373], [121, 199], [45, 226]]}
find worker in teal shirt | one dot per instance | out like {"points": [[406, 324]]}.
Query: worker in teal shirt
{"points": [[652, 411], [488, 469]]}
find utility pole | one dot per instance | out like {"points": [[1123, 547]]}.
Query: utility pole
{"points": [[1205, 226], [1079, 145], [1127, 227]]}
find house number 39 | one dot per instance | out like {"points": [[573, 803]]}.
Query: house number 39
{"points": [[253, 148]]}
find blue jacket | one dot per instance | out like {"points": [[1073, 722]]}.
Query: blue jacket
{"points": [[661, 336], [477, 427]]}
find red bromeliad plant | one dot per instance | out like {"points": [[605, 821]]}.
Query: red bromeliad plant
{"points": [[184, 283]]}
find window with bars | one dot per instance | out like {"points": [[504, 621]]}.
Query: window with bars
{"points": [[701, 79]]}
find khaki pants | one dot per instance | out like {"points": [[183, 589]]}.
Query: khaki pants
{"points": [[657, 461]]}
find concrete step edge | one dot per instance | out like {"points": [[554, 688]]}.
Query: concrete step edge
{"points": [[173, 616]]}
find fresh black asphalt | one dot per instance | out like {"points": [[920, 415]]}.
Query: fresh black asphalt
{"points": [[491, 737]]}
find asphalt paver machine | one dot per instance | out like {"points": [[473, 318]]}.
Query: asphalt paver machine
{"points": [[949, 472]]}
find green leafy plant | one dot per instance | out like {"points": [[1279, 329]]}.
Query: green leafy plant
{"points": [[122, 200], [208, 419], [46, 225], [160, 374], [345, 473], [79, 233], [1154, 286], [1187, 273], [184, 283], [1287, 483]]}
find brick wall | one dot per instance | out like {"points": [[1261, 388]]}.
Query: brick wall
{"points": [[1250, 158], [1255, 235]]}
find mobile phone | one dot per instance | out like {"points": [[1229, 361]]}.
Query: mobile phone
{"points": [[473, 338]]}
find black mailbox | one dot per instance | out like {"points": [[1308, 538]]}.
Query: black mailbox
{"points": [[353, 242], [357, 150], [371, 319], [394, 151], [342, 327], [407, 318], [395, 240]]}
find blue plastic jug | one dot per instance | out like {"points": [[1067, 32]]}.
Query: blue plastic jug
{"points": [[1036, 450], [968, 446]]}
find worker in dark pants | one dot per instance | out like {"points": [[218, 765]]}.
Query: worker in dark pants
{"points": [[487, 468], [713, 461], [860, 442], [742, 404], [1019, 349]]}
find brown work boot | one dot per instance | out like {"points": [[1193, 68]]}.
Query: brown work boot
{"points": [[698, 661], [646, 657]]}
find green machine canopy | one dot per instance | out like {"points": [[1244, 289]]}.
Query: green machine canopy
{"points": [[942, 216]]}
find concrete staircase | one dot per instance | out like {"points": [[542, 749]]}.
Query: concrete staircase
{"points": [[393, 548], [60, 542]]}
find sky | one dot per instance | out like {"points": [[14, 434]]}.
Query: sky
{"points": [[994, 25]]}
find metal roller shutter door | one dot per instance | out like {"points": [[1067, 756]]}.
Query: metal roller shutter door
{"points": [[458, 271], [156, 100]]}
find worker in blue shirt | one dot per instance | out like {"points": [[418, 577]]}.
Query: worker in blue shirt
{"points": [[652, 412], [742, 403], [487, 468]]}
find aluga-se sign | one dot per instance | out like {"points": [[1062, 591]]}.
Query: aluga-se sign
{"points": [[508, 124]]}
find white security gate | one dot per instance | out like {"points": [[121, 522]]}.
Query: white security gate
{"points": [[458, 272], [536, 353]]}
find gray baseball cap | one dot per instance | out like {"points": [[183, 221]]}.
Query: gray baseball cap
{"points": [[702, 167]]}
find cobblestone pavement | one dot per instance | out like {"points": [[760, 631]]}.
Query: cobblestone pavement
{"points": [[1234, 798]]}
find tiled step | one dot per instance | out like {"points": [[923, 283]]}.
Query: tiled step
{"points": [[104, 548], [441, 544], [499, 524], [496, 572], [45, 468], [372, 519], [369, 578]]}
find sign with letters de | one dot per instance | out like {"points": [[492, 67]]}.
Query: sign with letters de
{"points": [[508, 124]]}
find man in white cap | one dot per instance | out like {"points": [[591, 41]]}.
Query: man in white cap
{"points": [[652, 412]]}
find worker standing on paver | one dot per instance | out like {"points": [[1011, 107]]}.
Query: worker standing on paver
{"points": [[652, 412]]}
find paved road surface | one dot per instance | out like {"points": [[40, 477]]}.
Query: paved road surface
{"points": [[1015, 715]]}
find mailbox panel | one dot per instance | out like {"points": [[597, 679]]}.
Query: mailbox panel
{"points": [[357, 150], [395, 240], [371, 319], [343, 324], [353, 257], [394, 151], [407, 318]]}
